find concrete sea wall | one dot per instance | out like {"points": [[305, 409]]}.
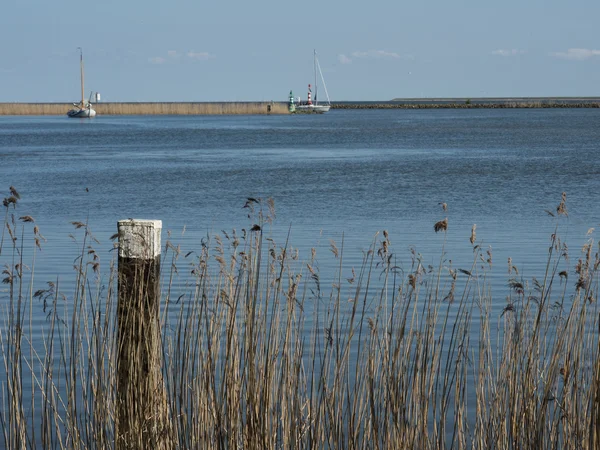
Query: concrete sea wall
{"points": [[163, 108], [465, 105], [217, 108]]}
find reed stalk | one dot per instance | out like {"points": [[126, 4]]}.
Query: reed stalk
{"points": [[258, 350]]}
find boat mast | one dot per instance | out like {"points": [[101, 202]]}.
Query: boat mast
{"points": [[81, 69], [315, 69], [323, 81]]}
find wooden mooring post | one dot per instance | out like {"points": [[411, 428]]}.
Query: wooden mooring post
{"points": [[142, 420]]}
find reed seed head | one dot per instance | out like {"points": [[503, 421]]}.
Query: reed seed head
{"points": [[12, 200], [442, 225], [473, 234], [14, 192], [334, 248], [561, 209], [412, 280]]}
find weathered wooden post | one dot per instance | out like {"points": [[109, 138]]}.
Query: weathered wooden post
{"points": [[141, 413]]}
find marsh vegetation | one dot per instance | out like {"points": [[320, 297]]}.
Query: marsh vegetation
{"points": [[260, 350]]}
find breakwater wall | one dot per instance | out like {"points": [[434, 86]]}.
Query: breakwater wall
{"points": [[465, 105], [149, 108], [222, 108]]}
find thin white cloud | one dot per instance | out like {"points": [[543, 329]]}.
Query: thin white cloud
{"points": [[376, 54], [343, 59], [576, 54], [508, 52], [372, 54], [173, 55], [200, 56]]}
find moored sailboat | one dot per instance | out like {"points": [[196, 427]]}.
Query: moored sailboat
{"points": [[84, 108], [309, 105]]}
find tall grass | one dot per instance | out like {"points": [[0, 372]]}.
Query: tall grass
{"points": [[147, 108], [261, 352]]}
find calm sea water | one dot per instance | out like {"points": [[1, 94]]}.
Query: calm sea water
{"points": [[345, 173]]}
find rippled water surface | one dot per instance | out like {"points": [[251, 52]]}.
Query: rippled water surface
{"points": [[345, 173], [342, 176]]}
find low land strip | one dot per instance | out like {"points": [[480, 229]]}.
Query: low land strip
{"points": [[134, 108], [464, 103], [222, 108]]}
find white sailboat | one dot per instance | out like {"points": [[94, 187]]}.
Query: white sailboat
{"points": [[309, 105], [83, 108]]}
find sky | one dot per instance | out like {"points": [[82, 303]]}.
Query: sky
{"points": [[233, 50]]}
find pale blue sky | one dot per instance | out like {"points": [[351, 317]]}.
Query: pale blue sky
{"points": [[184, 50]]}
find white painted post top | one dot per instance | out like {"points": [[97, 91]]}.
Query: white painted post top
{"points": [[139, 238]]}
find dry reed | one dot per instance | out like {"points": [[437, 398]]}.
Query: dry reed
{"points": [[260, 353]]}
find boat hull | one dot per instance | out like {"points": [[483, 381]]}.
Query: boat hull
{"points": [[317, 109], [81, 113], [321, 108]]}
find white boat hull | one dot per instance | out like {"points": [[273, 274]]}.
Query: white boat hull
{"points": [[319, 109], [81, 113]]}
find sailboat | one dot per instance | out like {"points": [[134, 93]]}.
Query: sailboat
{"points": [[83, 108], [315, 107]]}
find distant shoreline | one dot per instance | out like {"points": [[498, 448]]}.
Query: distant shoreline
{"points": [[482, 102], [498, 99], [267, 107], [400, 105]]}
